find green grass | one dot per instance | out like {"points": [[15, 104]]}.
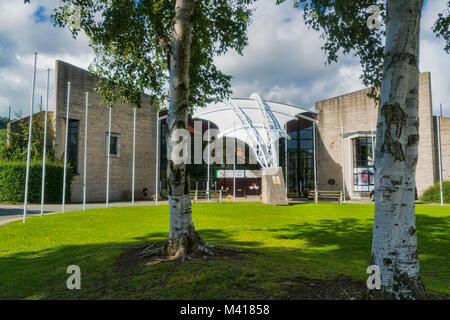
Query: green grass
{"points": [[282, 243]]}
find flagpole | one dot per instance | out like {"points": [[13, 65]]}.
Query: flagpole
{"points": [[108, 158], [207, 182], [234, 163], [85, 151], [45, 145], [65, 148], [343, 163], [134, 157], [286, 157], [157, 158], [316, 194], [439, 153], [27, 174]]}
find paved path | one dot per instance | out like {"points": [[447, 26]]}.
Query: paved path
{"points": [[10, 213]]}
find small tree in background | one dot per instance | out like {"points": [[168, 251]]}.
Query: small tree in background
{"points": [[14, 147]]}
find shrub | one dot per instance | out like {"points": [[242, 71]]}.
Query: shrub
{"points": [[17, 146], [432, 194], [12, 181]]}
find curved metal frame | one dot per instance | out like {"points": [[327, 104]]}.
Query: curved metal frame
{"points": [[264, 149], [262, 136]]}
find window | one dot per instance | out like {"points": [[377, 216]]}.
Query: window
{"points": [[300, 162], [306, 133], [306, 144], [363, 164], [72, 145], [114, 145]]}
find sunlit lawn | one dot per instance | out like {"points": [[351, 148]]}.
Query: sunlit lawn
{"points": [[281, 243]]}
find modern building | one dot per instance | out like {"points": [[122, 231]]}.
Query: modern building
{"points": [[120, 175], [338, 136], [254, 123], [346, 143]]}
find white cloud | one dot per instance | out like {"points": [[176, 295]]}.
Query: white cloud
{"points": [[20, 36], [283, 61], [433, 57]]}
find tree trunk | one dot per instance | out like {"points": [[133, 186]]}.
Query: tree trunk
{"points": [[184, 242], [182, 233], [394, 243]]}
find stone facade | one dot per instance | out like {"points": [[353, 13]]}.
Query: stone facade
{"points": [[122, 127], [445, 149], [354, 115]]}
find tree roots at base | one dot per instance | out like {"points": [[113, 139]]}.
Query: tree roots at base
{"points": [[174, 250]]}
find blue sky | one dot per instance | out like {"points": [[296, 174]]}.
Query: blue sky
{"points": [[283, 61], [40, 15]]}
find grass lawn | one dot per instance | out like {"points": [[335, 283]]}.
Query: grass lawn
{"points": [[282, 244]]}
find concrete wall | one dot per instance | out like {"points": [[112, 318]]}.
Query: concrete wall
{"points": [[445, 149], [426, 170], [358, 116], [122, 123]]}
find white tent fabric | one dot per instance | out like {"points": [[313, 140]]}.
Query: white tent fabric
{"points": [[257, 122]]}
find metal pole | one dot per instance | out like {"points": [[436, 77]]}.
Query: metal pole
{"points": [[65, 148], [27, 175], [45, 145], [157, 158], [286, 158], [85, 151], [373, 155], [343, 163], [234, 163], [108, 157], [439, 154], [207, 182], [9, 114], [315, 157], [134, 157]]}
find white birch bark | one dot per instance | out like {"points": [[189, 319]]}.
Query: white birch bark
{"points": [[394, 243], [182, 230]]}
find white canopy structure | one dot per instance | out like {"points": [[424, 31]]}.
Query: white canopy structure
{"points": [[260, 123]]}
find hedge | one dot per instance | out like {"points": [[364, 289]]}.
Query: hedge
{"points": [[432, 194], [12, 182]]}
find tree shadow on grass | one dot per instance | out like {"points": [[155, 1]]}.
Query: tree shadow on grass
{"points": [[331, 248], [345, 245], [42, 274]]}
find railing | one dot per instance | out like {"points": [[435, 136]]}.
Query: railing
{"points": [[203, 194]]}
